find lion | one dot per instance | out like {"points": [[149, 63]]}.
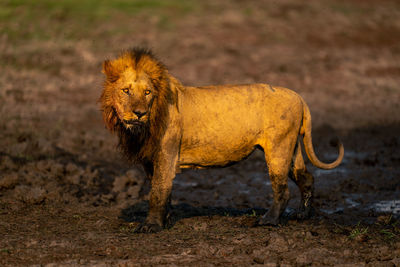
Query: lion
{"points": [[165, 126]]}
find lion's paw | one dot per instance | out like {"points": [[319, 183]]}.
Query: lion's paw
{"points": [[305, 213], [148, 228], [266, 220]]}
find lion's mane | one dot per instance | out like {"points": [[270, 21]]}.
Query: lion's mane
{"points": [[140, 143]]}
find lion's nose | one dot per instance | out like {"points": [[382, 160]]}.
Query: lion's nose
{"points": [[139, 114]]}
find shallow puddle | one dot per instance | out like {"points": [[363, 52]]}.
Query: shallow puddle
{"points": [[364, 200], [388, 206]]}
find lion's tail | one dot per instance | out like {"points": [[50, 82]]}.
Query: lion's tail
{"points": [[308, 146]]}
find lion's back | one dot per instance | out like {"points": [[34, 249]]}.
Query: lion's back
{"points": [[235, 104]]}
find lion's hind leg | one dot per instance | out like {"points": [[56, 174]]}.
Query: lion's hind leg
{"points": [[305, 181], [278, 156]]}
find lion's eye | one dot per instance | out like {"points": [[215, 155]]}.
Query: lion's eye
{"points": [[147, 92], [126, 91]]}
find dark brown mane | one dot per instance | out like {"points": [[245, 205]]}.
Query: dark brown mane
{"points": [[141, 143]]}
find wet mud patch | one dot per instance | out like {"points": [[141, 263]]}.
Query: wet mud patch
{"points": [[366, 182]]}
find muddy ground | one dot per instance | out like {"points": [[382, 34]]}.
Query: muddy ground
{"points": [[67, 197]]}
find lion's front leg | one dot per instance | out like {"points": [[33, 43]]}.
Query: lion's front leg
{"points": [[160, 193]]}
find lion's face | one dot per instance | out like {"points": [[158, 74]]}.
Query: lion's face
{"points": [[134, 95], [135, 101]]}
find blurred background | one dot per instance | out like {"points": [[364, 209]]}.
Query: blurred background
{"points": [[342, 56]]}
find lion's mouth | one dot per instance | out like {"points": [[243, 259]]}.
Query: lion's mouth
{"points": [[132, 123]]}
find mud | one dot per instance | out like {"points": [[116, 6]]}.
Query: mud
{"points": [[67, 197]]}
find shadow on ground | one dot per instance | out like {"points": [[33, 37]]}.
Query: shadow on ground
{"points": [[138, 212]]}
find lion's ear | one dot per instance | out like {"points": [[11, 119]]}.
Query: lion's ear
{"points": [[106, 67], [110, 72]]}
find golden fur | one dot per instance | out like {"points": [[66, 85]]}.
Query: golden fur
{"points": [[166, 126]]}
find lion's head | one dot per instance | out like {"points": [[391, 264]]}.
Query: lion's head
{"points": [[134, 101]]}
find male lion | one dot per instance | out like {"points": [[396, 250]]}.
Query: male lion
{"points": [[166, 126]]}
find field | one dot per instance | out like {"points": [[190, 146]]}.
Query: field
{"points": [[67, 196]]}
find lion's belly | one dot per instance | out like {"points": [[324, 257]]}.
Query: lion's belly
{"points": [[208, 148], [212, 157]]}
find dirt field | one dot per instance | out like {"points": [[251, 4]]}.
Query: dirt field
{"points": [[68, 198]]}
